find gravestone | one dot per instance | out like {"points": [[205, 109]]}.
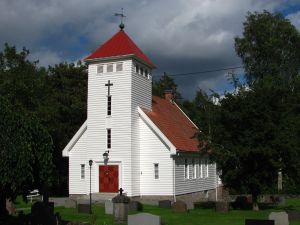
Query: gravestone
{"points": [[222, 207], [135, 206], [294, 215], [120, 207], [280, 218], [70, 203], [166, 204], [280, 200], [83, 208], [109, 207], [179, 206], [10, 207], [143, 219], [259, 222]]}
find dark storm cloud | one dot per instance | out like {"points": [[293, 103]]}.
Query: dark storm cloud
{"points": [[178, 35]]}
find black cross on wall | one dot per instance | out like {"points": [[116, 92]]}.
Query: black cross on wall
{"points": [[108, 85]]}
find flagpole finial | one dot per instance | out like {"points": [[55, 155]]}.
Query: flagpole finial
{"points": [[122, 26]]}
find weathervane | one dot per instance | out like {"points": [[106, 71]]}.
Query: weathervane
{"points": [[122, 16]]}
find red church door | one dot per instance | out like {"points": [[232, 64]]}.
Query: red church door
{"points": [[108, 178]]}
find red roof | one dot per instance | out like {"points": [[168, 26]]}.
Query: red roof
{"points": [[174, 124], [119, 45]]}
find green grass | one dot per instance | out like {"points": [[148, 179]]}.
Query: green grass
{"points": [[203, 216]]}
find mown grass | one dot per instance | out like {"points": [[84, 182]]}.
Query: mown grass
{"points": [[203, 216]]}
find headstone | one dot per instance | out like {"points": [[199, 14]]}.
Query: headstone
{"points": [[10, 207], [109, 207], [189, 204], [280, 218], [143, 219], [179, 206], [83, 208], [135, 206], [120, 207], [259, 222], [166, 204], [280, 200], [70, 203], [294, 215], [222, 207]]}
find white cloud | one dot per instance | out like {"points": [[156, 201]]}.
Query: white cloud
{"points": [[295, 19]]}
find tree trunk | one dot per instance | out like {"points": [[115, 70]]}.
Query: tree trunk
{"points": [[255, 202], [3, 211]]}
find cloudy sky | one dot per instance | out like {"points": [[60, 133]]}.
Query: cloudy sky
{"points": [[180, 36]]}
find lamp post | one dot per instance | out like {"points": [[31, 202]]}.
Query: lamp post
{"points": [[90, 163]]}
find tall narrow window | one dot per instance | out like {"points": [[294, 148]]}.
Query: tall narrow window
{"points": [[137, 69], [82, 171], [156, 171], [194, 173], [109, 105], [197, 169], [119, 67], [108, 138], [186, 169], [204, 169]]}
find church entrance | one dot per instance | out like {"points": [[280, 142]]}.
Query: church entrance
{"points": [[109, 178]]}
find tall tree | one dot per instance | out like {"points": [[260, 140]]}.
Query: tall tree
{"points": [[66, 112], [257, 128], [164, 83], [270, 46], [25, 154]]}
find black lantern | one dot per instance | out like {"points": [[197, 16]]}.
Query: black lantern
{"points": [[90, 163], [105, 157]]}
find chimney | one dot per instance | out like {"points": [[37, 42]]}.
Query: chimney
{"points": [[169, 95]]}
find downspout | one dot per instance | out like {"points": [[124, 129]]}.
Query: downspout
{"points": [[216, 182], [174, 195]]}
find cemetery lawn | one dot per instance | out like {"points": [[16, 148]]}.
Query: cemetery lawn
{"points": [[203, 216]]}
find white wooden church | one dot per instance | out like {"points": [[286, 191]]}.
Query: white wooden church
{"points": [[141, 143]]}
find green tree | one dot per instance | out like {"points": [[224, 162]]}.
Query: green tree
{"points": [[25, 154], [270, 46], [65, 113], [257, 131], [164, 83]]}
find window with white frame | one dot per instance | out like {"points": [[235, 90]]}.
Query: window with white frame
{"points": [[108, 138], [119, 67], [156, 171], [194, 169], [186, 169], [110, 68], [204, 165], [100, 69], [109, 105], [136, 68], [197, 171], [82, 171]]}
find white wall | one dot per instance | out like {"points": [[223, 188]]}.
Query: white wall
{"points": [[129, 90], [153, 151], [183, 186], [77, 157]]}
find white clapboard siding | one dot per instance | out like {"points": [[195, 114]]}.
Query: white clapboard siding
{"points": [[153, 150], [129, 91], [78, 156], [184, 186], [119, 121], [141, 97]]}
